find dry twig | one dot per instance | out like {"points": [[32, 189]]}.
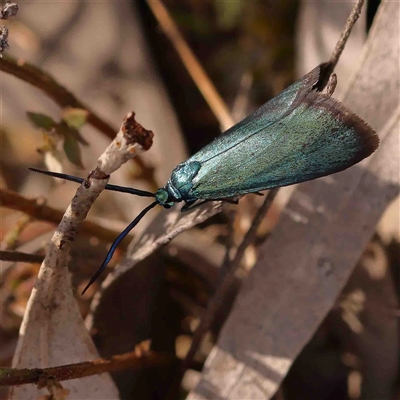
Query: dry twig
{"points": [[340, 45], [353, 17], [192, 64], [131, 360], [18, 256]]}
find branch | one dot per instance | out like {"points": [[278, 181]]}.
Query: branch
{"points": [[351, 20], [18, 256], [131, 360], [35, 208], [64, 98], [328, 67]]}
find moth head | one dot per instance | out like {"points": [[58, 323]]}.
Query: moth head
{"points": [[164, 199]]}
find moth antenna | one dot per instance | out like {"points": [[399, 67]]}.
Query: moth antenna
{"points": [[77, 179], [125, 189], [71, 178], [116, 243]]}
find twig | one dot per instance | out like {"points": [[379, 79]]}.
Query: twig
{"points": [[36, 209], [18, 256], [217, 300], [351, 20], [192, 64], [328, 67], [131, 360], [64, 98]]}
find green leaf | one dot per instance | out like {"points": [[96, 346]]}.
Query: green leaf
{"points": [[67, 130], [41, 121], [77, 135], [75, 117], [72, 150]]}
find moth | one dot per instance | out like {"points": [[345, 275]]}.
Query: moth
{"points": [[299, 135]]}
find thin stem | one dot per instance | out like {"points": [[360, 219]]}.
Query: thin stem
{"points": [[327, 68], [351, 20], [131, 360], [192, 64]]}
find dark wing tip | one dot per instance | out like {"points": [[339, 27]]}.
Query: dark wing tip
{"points": [[367, 135], [368, 138]]}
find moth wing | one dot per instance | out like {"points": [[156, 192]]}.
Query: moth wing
{"points": [[319, 137], [266, 115]]}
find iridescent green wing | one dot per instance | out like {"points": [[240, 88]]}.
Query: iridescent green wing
{"points": [[271, 112], [318, 137]]}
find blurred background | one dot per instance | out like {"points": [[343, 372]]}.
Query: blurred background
{"points": [[115, 57]]}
